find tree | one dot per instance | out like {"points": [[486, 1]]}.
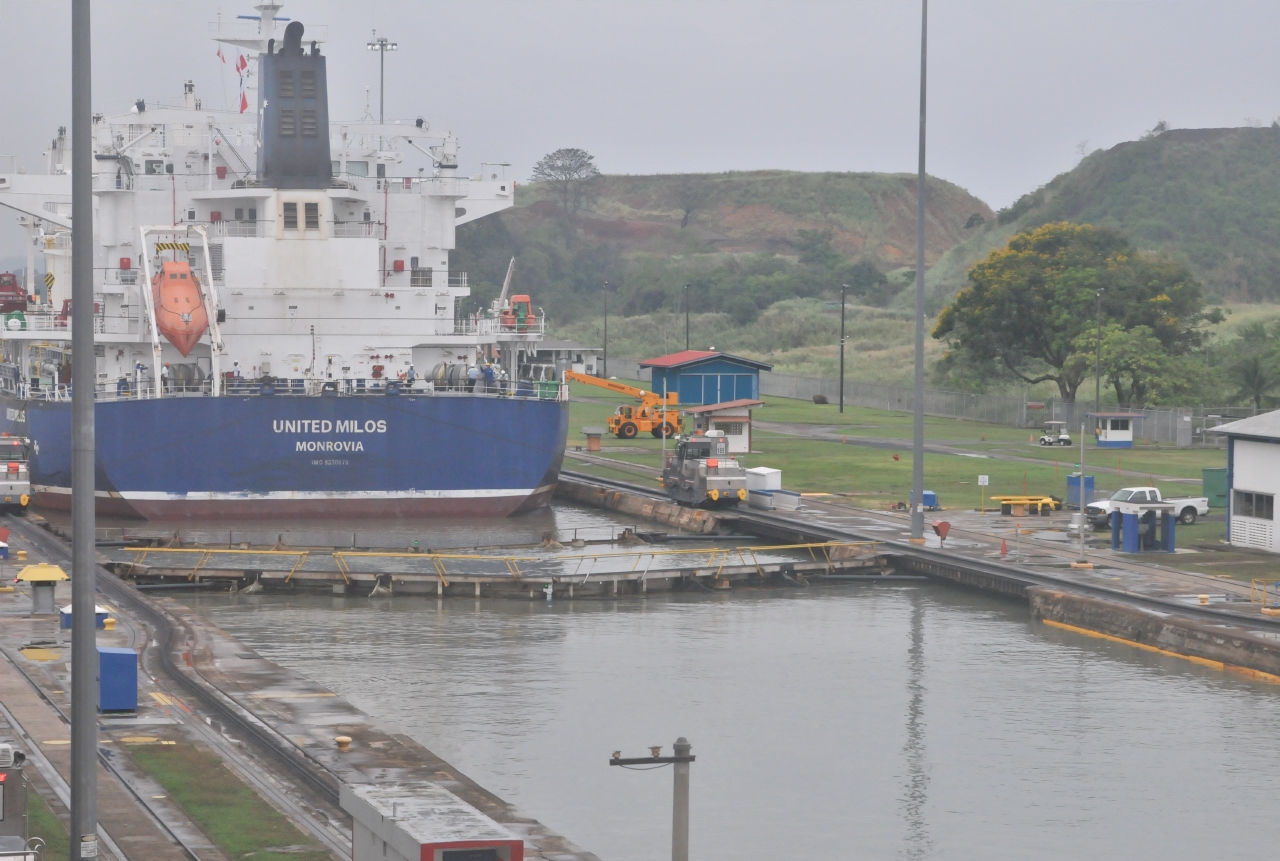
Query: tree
{"points": [[1028, 304], [1255, 377], [1133, 362], [692, 193], [1251, 361], [815, 248], [568, 171]]}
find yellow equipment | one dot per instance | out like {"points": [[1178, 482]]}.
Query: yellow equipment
{"points": [[626, 422]]}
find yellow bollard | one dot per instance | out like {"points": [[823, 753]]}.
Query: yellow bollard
{"points": [[1204, 599], [108, 624], [22, 556], [343, 742]]}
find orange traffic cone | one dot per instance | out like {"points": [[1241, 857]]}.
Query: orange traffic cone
{"points": [[1004, 547]]}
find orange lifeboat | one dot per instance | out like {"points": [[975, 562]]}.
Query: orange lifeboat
{"points": [[180, 314]]}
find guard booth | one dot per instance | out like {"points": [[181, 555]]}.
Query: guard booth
{"points": [[1114, 430], [1142, 527], [732, 418]]}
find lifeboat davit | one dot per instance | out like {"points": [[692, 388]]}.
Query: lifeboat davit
{"points": [[180, 314]]}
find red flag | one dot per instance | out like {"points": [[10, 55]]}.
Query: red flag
{"points": [[244, 102], [220, 57], [242, 64]]}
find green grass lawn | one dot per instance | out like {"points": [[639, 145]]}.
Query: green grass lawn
{"points": [[819, 466], [225, 807], [42, 823]]}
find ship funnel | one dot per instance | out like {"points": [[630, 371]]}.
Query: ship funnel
{"points": [[293, 115]]}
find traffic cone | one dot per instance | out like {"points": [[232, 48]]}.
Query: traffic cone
{"points": [[1004, 547]]}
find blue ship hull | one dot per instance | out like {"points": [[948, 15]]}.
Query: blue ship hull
{"points": [[284, 456]]}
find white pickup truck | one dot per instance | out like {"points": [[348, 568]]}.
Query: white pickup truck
{"points": [[1188, 508]]}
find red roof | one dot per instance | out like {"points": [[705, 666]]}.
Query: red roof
{"points": [[727, 405], [681, 358]]}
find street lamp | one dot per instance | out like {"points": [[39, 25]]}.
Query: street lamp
{"points": [[844, 288], [686, 318], [1097, 358], [382, 45], [605, 363]]}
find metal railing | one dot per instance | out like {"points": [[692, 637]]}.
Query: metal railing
{"points": [[129, 390]]}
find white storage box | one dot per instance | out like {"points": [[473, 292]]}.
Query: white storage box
{"points": [[764, 478]]}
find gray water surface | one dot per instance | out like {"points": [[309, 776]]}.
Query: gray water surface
{"points": [[869, 722]]}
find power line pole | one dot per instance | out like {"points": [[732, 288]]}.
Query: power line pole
{"points": [[844, 289], [680, 790], [606, 330], [917, 448], [84, 657]]}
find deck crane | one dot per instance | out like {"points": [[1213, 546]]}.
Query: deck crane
{"points": [[628, 421]]}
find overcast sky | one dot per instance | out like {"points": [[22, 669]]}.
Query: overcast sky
{"points": [[656, 87]]}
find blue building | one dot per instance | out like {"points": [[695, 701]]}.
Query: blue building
{"points": [[706, 377]]}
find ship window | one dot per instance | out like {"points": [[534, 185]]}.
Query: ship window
{"points": [[154, 167], [367, 216], [182, 275], [358, 168], [382, 170], [288, 127], [173, 276], [191, 215], [291, 216], [253, 214], [310, 124], [308, 85], [313, 216], [285, 89], [240, 214]]}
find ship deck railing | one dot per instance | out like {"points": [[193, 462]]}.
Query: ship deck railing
{"points": [[297, 387]]}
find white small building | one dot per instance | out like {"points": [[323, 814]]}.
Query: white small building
{"points": [[415, 820], [732, 418], [1253, 480]]}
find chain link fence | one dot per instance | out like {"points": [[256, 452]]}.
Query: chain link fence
{"points": [[1180, 426]]}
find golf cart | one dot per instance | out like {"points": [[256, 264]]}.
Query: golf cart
{"points": [[1055, 433]]}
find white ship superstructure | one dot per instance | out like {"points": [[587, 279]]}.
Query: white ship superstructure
{"points": [[348, 283]]}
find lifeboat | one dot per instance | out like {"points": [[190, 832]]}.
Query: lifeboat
{"points": [[180, 314]]}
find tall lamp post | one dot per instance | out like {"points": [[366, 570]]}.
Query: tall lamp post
{"points": [[84, 657], [686, 318], [382, 45], [844, 289], [1097, 359], [606, 330], [917, 447]]}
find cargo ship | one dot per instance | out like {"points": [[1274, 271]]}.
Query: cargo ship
{"points": [[277, 328]]}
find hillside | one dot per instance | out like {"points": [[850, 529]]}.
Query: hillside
{"points": [[1209, 196], [764, 235]]}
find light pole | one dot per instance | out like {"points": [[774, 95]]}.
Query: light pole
{"points": [[917, 447], [1097, 358], [680, 790], [606, 330], [382, 45], [844, 289], [84, 657], [686, 318]]}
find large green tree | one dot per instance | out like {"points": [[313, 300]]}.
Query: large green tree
{"points": [[1029, 303]]}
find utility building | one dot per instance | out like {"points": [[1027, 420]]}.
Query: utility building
{"points": [[703, 377], [1253, 480]]}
